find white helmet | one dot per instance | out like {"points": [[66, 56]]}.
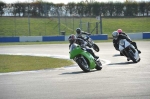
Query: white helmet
{"points": [[115, 35]]}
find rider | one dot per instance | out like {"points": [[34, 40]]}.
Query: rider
{"points": [[117, 37], [133, 43], [79, 33], [72, 39]]}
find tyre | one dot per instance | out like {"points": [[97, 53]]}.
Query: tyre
{"points": [[98, 65], [83, 64], [131, 55], [95, 47], [121, 54]]}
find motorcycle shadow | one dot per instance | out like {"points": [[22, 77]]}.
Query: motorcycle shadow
{"points": [[122, 63], [78, 72], [116, 55]]}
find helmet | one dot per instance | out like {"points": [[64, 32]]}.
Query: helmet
{"points": [[119, 31], [78, 30], [72, 38], [115, 35]]}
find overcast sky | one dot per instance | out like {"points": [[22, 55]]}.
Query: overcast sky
{"points": [[65, 1]]}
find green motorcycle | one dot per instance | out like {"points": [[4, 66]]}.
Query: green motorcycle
{"points": [[84, 59]]}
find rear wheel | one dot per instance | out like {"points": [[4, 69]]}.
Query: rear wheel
{"points": [[95, 47], [83, 64]]}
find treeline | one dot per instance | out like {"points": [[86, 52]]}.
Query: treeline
{"points": [[46, 9]]}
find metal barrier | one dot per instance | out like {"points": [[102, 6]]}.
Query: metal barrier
{"points": [[46, 38]]}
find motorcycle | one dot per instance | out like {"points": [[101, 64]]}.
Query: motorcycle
{"points": [[91, 44], [127, 49], [84, 59]]}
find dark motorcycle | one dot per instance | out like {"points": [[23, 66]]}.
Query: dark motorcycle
{"points": [[91, 44]]}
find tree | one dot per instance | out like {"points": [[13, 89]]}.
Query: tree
{"points": [[89, 9], [134, 9], [131, 9], [103, 8], [96, 8], [147, 8], [59, 8], [24, 9], [2, 4], [35, 8], [111, 8], [71, 7], [118, 8], [142, 7], [18, 8], [80, 8]]}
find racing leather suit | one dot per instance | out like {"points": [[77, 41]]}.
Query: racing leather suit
{"points": [[116, 42], [83, 44]]}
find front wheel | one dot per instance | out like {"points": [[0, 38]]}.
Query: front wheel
{"points": [[83, 64], [95, 47], [131, 55]]}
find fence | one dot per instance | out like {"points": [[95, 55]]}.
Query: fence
{"points": [[45, 26]]}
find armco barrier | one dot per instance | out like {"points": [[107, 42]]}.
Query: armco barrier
{"points": [[135, 36], [99, 37], [30, 38], [146, 35], [9, 39], [53, 38]]}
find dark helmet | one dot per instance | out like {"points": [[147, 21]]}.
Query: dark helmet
{"points": [[72, 38], [78, 30]]}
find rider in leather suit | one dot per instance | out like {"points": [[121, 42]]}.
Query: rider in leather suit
{"points": [[116, 39], [72, 39], [133, 43], [79, 33]]}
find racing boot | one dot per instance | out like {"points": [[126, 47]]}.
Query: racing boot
{"points": [[128, 58], [121, 54], [134, 44], [139, 51], [96, 57]]}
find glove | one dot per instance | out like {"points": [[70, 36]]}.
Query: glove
{"points": [[130, 41], [83, 48], [89, 34]]}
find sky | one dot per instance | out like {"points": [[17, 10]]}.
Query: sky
{"points": [[65, 1]]}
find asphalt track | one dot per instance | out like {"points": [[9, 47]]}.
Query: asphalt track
{"points": [[119, 79]]}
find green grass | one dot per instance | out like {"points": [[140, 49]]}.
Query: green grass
{"points": [[128, 25], [13, 63], [11, 26]]}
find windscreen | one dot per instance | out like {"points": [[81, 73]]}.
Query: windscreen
{"points": [[73, 46]]}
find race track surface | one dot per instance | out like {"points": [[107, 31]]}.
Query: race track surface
{"points": [[119, 79]]}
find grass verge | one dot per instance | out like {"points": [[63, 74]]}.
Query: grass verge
{"points": [[13, 63]]}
